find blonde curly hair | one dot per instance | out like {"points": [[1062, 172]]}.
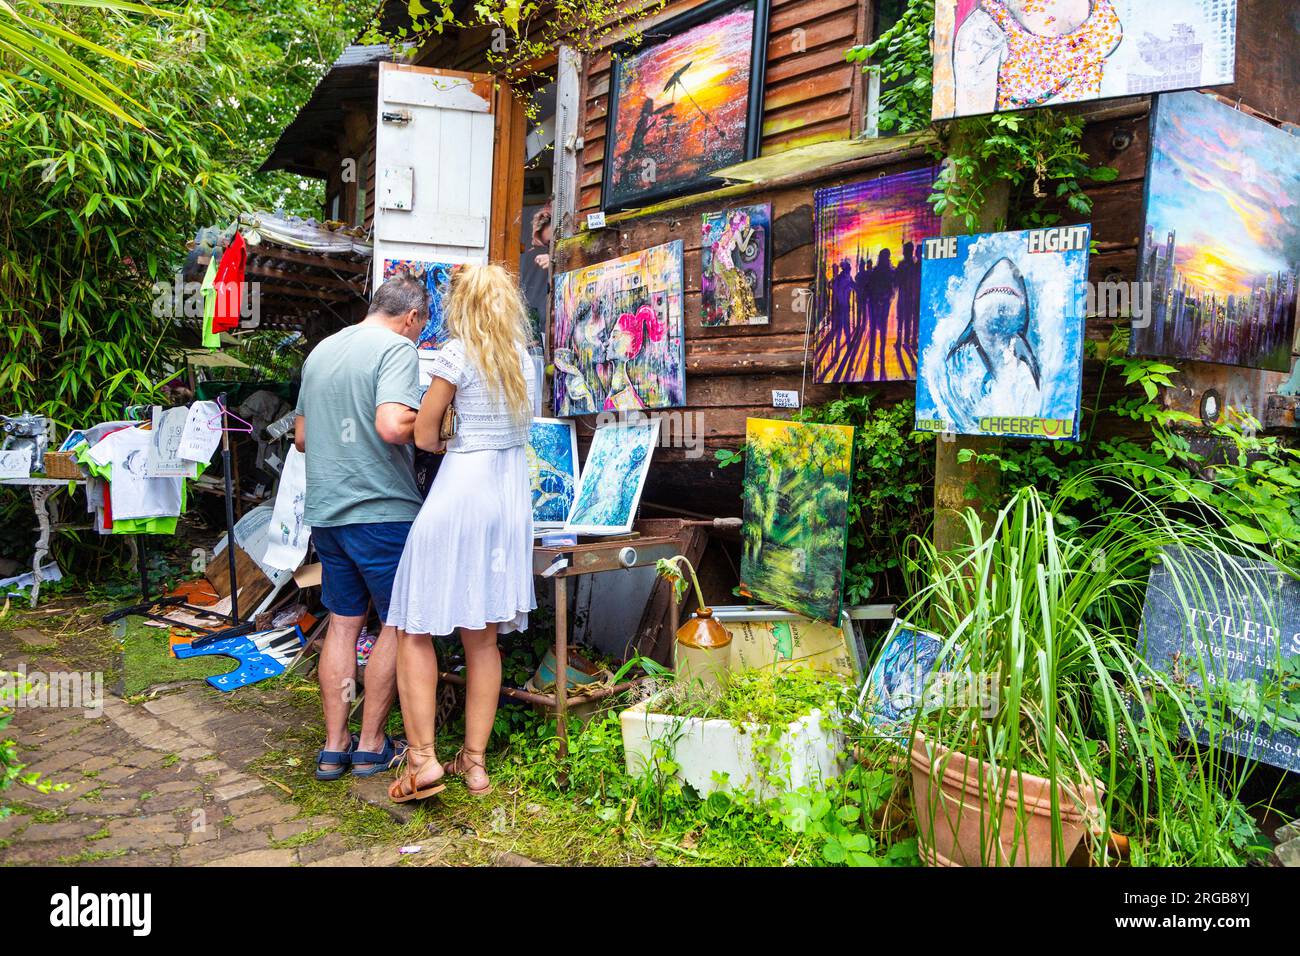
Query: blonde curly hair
{"points": [[487, 312]]}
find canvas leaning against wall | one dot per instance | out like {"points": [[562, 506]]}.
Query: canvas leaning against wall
{"points": [[552, 470], [685, 102], [735, 282], [998, 55], [1221, 249], [1001, 341], [613, 477], [868, 289], [796, 513], [435, 276], [617, 334]]}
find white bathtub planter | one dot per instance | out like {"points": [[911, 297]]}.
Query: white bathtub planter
{"points": [[711, 754]]}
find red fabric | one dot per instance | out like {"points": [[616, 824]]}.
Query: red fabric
{"points": [[229, 283]]}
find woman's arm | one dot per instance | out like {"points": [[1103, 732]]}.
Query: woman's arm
{"points": [[977, 58], [428, 423]]}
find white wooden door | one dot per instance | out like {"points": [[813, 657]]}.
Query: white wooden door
{"points": [[433, 167]]}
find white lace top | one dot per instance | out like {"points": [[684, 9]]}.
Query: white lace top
{"points": [[483, 420]]}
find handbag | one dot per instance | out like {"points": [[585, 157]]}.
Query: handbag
{"points": [[450, 423]]}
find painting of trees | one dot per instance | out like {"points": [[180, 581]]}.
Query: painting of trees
{"points": [[796, 500]]}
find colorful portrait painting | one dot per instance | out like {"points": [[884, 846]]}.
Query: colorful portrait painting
{"points": [[867, 296], [684, 102], [435, 276], [734, 277], [1221, 252], [1001, 340], [617, 332], [552, 470], [997, 55], [796, 507], [613, 477], [897, 686]]}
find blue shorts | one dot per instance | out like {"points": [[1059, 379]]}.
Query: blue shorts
{"points": [[358, 562]]}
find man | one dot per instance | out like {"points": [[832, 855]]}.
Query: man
{"points": [[355, 419], [535, 271]]}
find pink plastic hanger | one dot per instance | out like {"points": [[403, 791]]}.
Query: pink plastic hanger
{"points": [[246, 430]]}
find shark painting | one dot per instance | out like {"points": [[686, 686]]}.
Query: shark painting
{"points": [[1001, 333]]}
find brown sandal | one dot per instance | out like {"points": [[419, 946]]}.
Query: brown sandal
{"points": [[472, 759], [405, 788]]}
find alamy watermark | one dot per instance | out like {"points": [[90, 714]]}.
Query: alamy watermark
{"points": [[677, 428], [75, 690]]}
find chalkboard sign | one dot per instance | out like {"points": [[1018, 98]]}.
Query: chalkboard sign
{"points": [[1214, 620]]}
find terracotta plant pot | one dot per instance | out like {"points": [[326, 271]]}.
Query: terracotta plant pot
{"points": [[951, 818]]}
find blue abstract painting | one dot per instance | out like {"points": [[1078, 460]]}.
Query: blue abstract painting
{"points": [[613, 476], [1001, 336], [552, 470], [435, 276], [897, 685]]}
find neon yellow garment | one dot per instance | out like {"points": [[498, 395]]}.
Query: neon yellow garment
{"points": [[211, 339], [134, 525]]}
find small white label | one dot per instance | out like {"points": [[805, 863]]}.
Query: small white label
{"points": [[785, 398], [596, 220]]}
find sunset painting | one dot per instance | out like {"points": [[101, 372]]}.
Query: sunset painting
{"points": [[1221, 249], [680, 107], [868, 292]]}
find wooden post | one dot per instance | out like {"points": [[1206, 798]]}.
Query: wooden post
{"points": [[953, 479]]}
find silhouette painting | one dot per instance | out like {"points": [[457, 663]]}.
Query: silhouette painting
{"points": [[1001, 333], [867, 294], [682, 103]]}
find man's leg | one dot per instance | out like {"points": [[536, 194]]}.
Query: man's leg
{"points": [[381, 689], [337, 672]]}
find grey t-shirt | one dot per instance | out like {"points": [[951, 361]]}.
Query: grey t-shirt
{"points": [[353, 475]]}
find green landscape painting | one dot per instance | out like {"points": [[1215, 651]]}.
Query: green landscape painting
{"points": [[796, 503]]}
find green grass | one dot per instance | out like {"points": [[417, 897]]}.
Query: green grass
{"points": [[148, 661]]}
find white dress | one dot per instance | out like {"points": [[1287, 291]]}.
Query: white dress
{"points": [[468, 560]]}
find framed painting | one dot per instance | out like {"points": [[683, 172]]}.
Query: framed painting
{"points": [[991, 56], [1001, 334], [552, 470], [609, 489], [901, 679], [617, 334], [435, 276], [1221, 248], [867, 294], [796, 515], [735, 282], [685, 101]]}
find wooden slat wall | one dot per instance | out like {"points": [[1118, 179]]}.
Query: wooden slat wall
{"points": [[812, 95]]}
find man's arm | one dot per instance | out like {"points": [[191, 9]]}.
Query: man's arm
{"points": [[300, 433], [395, 423]]}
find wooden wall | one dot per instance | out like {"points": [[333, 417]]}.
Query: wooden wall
{"points": [[812, 94]]}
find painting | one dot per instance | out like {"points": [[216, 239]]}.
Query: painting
{"points": [[1221, 250], [617, 332], [734, 280], [867, 297], [552, 470], [796, 507], [609, 488], [900, 681], [1001, 337], [435, 276], [991, 56], [1229, 627], [684, 102]]}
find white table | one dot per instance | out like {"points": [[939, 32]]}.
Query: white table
{"points": [[42, 489]]}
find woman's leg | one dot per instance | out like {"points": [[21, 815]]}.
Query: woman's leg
{"points": [[483, 677], [417, 687]]}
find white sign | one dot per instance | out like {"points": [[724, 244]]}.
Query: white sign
{"points": [[596, 220], [202, 432], [16, 463], [785, 398], [288, 533], [162, 461]]}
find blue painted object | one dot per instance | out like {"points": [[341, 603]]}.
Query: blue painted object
{"points": [[260, 655]]}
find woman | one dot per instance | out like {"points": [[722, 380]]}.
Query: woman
{"points": [[1018, 54], [467, 565]]}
